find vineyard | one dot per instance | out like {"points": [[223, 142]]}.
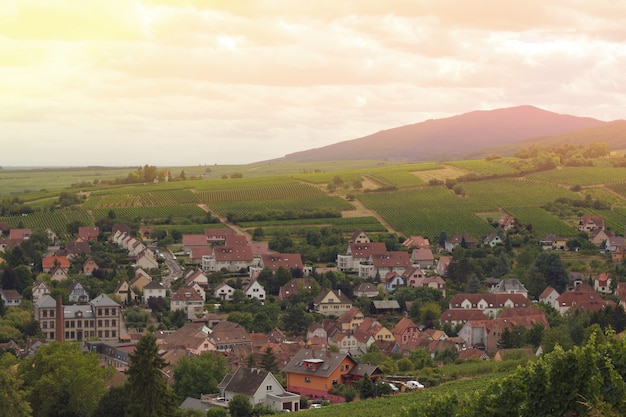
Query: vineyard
{"points": [[431, 210], [256, 209], [581, 175], [287, 191], [482, 167], [127, 214], [618, 187], [56, 220], [147, 199], [427, 211], [542, 222]]}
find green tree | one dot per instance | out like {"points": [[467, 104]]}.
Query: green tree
{"points": [[61, 380], [113, 403], [268, 361], [13, 402], [197, 375], [148, 391], [367, 388], [551, 267], [240, 406]]}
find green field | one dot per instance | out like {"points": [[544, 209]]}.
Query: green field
{"points": [[148, 214], [293, 205], [581, 175], [56, 220], [482, 167], [262, 192]]}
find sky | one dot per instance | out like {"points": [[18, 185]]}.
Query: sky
{"points": [[194, 82]]}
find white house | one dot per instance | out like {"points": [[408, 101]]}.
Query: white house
{"points": [[261, 387], [224, 292], [254, 289]]}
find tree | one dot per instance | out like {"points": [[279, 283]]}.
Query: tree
{"points": [[240, 406], [550, 265], [268, 361], [197, 375], [148, 391], [61, 380], [502, 266], [12, 400], [113, 403], [367, 388], [295, 319]]}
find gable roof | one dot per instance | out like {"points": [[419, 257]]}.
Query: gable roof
{"points": [[233, 253], [245, 381], [364, 250], [329, 361], [49, 262], [288, 261]]}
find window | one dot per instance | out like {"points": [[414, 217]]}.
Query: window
{"points": [[45, 313], [44, 325], [268, 388], [335, 382], [307, 379], [113, 323]]}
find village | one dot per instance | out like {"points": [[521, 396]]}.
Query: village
{"points": [[327, 351]]}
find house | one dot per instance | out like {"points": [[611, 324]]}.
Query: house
{"points": [[599, 237], [493, 240], [583, 298], [288, 261], [553, 242], [392, 281], [297, 286], [10, 298], [459, 239], [366, 289], [77, 247], [442, 265], [456, 317], [549, 296], [507, 222], [228, 336], [146, 260], [120, 227], [489, 304], [385, 306], [591, 223], [512, 317], [423, 257], [89, 266], [357, 253], [77, 293], [187, 300], [194, 241], [254, 289], [373, 327], [196, 276], [316, 330], [154, 289], [39, 290], [99, 318], [196, 255], [261, 387], [576, 279], [380, 264], [313, 373], [359, 236], [231, 258], [224, 292], [331, 303], [415, 278], [193, 337], [218, 234], [88, 233], [20, 234], [475, 333], [49, 262], [509, 286], [418, 242], [140, 280], [125, 292], [406, 332], [351, 319], [614, 243], [58, 274], [346, 342], [602, 283], [235, 240]]}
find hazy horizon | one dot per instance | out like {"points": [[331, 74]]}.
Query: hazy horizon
{"points": [[187, 83]]}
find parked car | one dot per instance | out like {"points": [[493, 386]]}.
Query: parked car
{"points": [[316, 406], [393, 387], [414, 385]]}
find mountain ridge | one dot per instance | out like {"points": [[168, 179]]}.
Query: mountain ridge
{"points": [[451, 137]]}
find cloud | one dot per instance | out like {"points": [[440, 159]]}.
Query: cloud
{"points": [[223, 81]]}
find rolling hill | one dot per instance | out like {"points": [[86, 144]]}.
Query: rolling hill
{"points": [[451, 138]]}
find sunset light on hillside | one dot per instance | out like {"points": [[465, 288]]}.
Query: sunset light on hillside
{"points": [[164, 82]]}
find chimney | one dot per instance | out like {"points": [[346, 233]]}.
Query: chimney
{"points": [[59, 334]]}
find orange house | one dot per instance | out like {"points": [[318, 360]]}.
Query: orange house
{"points": [[314, 372]]}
